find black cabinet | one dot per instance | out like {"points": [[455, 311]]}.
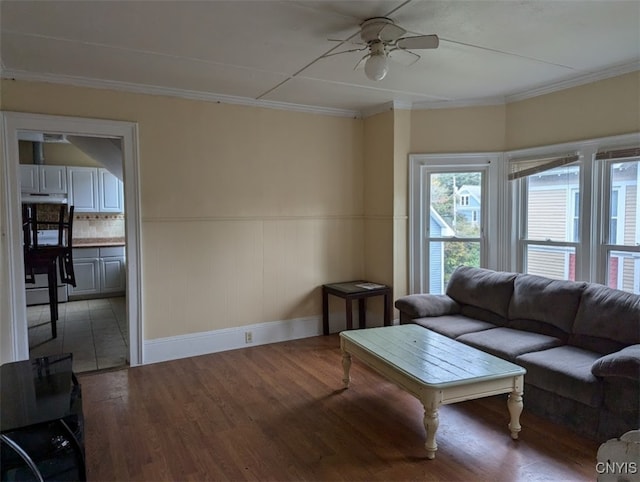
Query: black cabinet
{"points": [[42, 422]]}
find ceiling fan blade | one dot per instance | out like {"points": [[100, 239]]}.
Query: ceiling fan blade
{"points": [[345, 41], [419, 42], [391, 32], [404, 57], [331, 54]]}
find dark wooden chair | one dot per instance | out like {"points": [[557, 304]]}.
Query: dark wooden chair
{"points": [[40, 259]]}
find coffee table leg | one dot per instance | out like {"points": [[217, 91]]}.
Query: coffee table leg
{"points": [[515, 405], [346, 367], [431, 422]]}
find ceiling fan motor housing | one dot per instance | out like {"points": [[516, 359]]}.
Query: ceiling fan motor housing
{"points": [[371, 28]]}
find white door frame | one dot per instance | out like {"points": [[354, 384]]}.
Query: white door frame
{"points": [[14, 338]]}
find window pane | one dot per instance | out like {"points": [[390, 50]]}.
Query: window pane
{"points": [[623, 271], [557, 262], [552, 210], [445, 257], [456, 204], [624, 225]]}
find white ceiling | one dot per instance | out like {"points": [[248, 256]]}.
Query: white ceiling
{"points": [[271, 52]]}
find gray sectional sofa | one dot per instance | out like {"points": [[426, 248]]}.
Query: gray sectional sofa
{"points": [[580, 342]]}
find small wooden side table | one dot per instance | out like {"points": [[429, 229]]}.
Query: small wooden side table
{"points": [[355, 290]]}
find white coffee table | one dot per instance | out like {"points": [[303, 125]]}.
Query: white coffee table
{"points": [[434, 368]]}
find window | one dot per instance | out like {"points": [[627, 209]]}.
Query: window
{"points": [[452, 238], [549, 227], [613, 217], [575, 225], [621, 241], [576, 216], [569, 211], [448, 213]]}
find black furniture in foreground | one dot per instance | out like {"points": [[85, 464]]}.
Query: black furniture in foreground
{"points": [[41, 421], [355, 290]]}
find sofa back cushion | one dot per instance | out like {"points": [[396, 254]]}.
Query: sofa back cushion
{"points": [[486, 292], [607, 320], [544, 305]]}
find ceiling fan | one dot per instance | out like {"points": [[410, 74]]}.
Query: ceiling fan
{"points": [[383, 37]]}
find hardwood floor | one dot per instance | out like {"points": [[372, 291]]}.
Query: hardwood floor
{"points": [[278, 412]]}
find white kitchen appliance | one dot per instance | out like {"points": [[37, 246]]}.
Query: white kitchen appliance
{"points": [[43, 198]]}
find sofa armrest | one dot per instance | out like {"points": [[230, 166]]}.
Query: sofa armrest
{"points": [[624, 363], [421, 305]]}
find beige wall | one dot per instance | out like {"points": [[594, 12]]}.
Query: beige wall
{"points": [[378, 201], [402, 148], [387, 144], [245, 211], [465, 129], [600, 109], [56, 155]]}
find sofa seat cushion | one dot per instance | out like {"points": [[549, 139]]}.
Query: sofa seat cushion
{"points": [[509, 343], [566, 371], [453, 325]]}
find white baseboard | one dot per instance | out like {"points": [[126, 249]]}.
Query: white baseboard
{"points": [[195, 344]]}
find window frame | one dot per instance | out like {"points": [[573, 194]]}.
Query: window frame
{"points": [[525, 242], [419, 199], [605, 246], [591, 262], [502, 206]]}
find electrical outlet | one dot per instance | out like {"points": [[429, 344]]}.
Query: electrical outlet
{"points": [[248, 337]]}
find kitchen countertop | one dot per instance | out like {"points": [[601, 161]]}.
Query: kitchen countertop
{"points": [[97, 242]]}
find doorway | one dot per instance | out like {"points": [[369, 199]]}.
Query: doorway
{"points": [[86, 173], [13, 328]]}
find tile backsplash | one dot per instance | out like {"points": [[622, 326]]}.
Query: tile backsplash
{"points": [[98, 225]]}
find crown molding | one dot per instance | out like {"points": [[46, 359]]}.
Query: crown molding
{"points": [[354, 114], [173, 92], [452, 104], [385, 107], [528, 94], [576, 81]]}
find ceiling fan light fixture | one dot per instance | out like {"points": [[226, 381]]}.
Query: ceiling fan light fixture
{"points": [[376, 66]]}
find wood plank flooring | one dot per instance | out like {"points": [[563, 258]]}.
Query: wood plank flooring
{"points": [[278, 413]]}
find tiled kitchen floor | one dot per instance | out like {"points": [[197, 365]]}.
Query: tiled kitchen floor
{"points": [[95, 331]]}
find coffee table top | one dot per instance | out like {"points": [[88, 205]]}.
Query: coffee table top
{"points": [[430, 358]]}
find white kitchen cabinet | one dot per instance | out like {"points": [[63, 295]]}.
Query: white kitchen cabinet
{"points": [[99, 272], [41, 179], [112, 274], [53, 179], [111, 192], [86, 266], [96, 190], [83, 188], [38, 293], [29, 178]]}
